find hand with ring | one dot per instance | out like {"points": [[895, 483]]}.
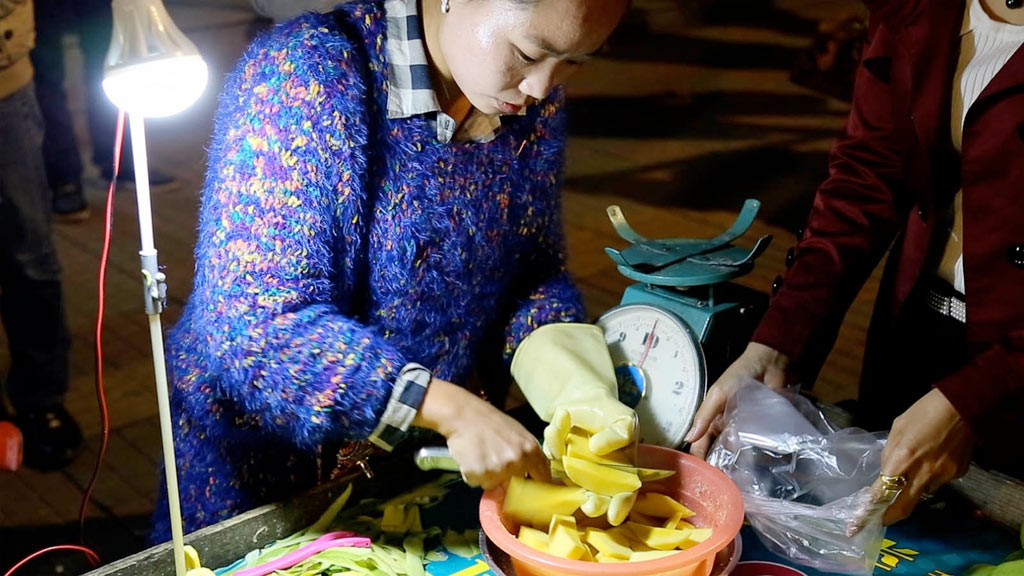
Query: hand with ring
{"points": [[928, 446]]}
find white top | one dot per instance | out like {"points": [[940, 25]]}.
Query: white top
{"points": [[985, 46]]}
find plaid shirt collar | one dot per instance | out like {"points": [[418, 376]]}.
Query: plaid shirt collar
{"points": [[408, 82]]}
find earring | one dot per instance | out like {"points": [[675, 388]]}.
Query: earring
{"points": [[1014, 4], [446, 5]]}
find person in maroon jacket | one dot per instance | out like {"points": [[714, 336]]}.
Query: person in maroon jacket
{"points": [[929, 167]]}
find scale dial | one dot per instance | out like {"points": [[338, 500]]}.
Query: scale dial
{"points": [[660, 369]]}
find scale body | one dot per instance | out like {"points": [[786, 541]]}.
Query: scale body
{"points": [[682, 323]]}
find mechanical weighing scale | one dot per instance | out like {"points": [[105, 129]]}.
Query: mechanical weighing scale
{"points": [[682, 323]]}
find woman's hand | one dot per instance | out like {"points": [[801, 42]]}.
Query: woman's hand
{"points": [[929, 445], [758, 362], [489, 445]]}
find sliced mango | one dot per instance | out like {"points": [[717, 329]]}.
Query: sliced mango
{"points": [[596, 505], [192, 558], [639, 518], [536, 539], [601, 557], [412, 520], [673, 520], [577, 445], [598, 478], [393, 520], [658, 538], [660, 506], [619, 507], [533, 503], [696, 536], [608, 544], [564, 538], [642, 555]]}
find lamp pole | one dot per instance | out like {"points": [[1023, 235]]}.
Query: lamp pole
{"points": [[153, 70], [155, 293]]}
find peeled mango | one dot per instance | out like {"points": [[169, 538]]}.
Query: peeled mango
{"points": [[536, 539], [534, 503], [599, 479], [602, 497], [564, 538], [611, 544], [660, 506]]}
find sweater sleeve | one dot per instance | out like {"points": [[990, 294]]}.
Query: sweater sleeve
{"points": [[280, 240], [545, 291]]}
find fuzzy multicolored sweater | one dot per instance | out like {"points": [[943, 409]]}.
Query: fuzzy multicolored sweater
{"points": [[334, 247]]}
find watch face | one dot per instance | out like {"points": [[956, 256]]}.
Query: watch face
{"points": [[659, 365]]}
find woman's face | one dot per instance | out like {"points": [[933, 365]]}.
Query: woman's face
{"points": [[503, 54]]}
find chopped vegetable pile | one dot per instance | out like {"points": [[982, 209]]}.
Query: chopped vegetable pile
{"points": [[400, 545]]}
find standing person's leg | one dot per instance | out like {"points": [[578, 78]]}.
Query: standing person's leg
{"points": [[60, 148], [31, 304], [94, 21]]}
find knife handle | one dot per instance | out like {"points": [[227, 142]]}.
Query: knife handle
{"points": [[435, 458]]}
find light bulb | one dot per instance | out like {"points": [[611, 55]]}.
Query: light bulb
{"points": [[151, 68]]}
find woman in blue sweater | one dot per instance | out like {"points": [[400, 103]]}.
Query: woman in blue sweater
{"points": [[381, 215]]}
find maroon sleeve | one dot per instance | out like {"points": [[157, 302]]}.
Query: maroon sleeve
{"points": [[989, 395], [856, 214]]}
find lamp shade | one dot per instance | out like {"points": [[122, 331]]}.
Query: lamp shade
{"points": [[151, 68]]}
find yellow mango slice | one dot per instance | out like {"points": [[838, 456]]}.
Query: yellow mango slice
{"points": [[644, 519], [660, 506], [393, 520], [696, 536], [564, 538], [588, 555], [608, 544], [619, 507], [683, 525], [673, 520], [596, 505], [658, 538], [651, 555], [533, 503], [192, 558], [600, 557], [536, 539], [598, 478], [577, 445]]}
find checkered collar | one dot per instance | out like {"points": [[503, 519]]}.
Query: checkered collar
{"points": [[410, 91]]}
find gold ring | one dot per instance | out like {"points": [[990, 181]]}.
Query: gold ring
{"points": [[893, 484]]}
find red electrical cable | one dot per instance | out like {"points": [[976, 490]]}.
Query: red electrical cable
{"points": [[92, 555], [100, 308], [101, 397]]}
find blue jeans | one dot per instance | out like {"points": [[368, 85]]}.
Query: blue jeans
{"points": [[91, 21], [31, 305]]}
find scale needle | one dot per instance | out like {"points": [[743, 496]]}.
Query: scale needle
{"points": [[647, 348]]}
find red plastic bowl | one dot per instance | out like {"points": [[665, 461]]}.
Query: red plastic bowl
{"points": [[700, 486]]}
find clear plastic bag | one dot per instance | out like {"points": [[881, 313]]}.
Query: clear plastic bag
{"points": [[807, 486]]}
